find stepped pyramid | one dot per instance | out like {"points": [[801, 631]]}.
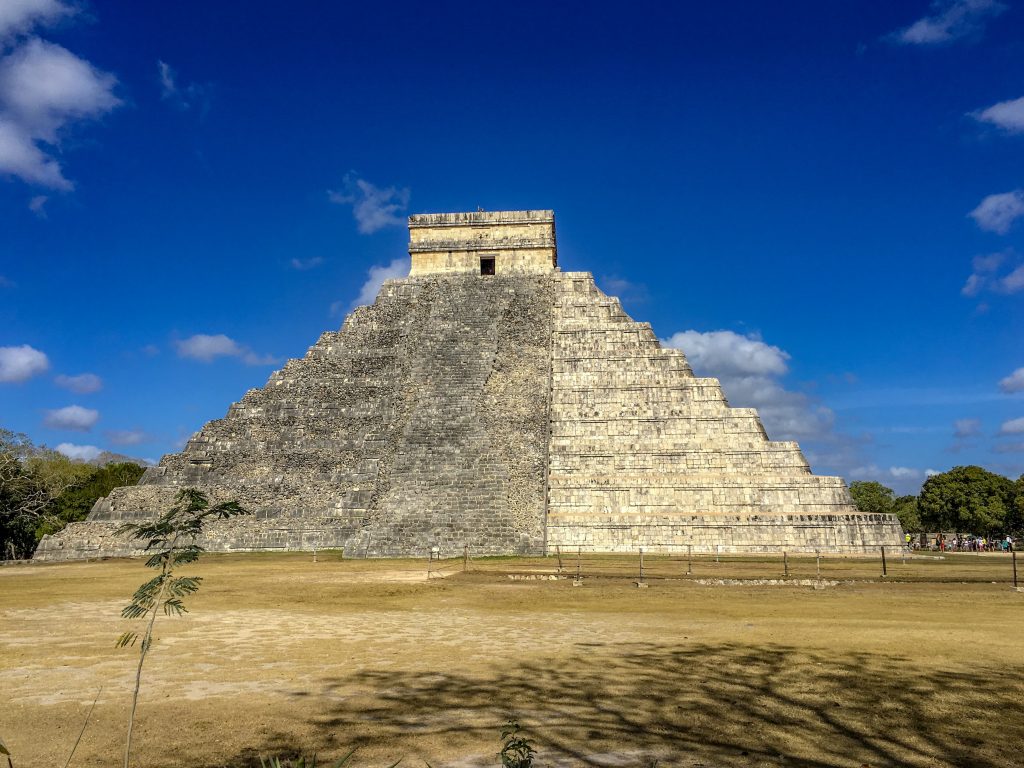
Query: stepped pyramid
{"points": [[490, 400]]}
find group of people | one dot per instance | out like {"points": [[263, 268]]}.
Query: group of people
{"points": [[962, 543]]}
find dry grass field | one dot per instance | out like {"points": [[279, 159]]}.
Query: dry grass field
{"points": [[281, 655]]}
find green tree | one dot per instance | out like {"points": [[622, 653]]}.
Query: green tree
{"points": [[967, 499], [905, 508], [872, 497], [171, 539], [31, 479], [1015, 514], [76, 502]]}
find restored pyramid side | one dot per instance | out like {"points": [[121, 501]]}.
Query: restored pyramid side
{"points": [[645, 454]]}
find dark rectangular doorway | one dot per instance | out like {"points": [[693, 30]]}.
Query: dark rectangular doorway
{"points": [[486, 265]]}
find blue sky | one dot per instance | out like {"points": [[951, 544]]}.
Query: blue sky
{"points": [[821, 203]]}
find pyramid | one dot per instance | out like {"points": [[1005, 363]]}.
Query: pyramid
{"points": [[491, 401]]}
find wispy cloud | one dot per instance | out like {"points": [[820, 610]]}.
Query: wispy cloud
{"points": [[375, 278], [874, 472], [82, 384], [208, 347], [749, 370], [996, 213], [303, 265], [79, 452], [1014, 382], [38, 205], [625, 290], [964, 428], [19, 364], [1008, 447], [905, 473], [1012, 427], [44, 89], [948, 21], [19, 16], [183, 97], [374, 208], [1008, 115], [73, 417], [996, 273], [126, 436]]}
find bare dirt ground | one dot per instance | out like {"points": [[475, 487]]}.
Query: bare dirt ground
{"points": [[282, 655]]}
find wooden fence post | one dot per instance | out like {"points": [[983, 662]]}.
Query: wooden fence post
{"points": [[885, 570]]}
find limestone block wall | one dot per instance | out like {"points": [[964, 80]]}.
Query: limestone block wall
{"points": [[739, 534], [643, 453], [506, 261], [518, 241]]}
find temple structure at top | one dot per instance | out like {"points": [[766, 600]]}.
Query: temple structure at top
{"points": [[483, 243], [489, 400]]}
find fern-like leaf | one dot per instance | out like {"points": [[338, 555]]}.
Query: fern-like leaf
{"points": [[128, 638]]}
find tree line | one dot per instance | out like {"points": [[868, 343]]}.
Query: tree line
{"points": [[41, 491], [964, 499]]}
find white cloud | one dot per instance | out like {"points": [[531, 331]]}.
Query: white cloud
{"points": [[931, 472], [43, 89], [1008, 115], [374, 208], [1017, 447], [1012, 427], [38, 205], [904, 473], [305, 264], [949, 20], [996, 213], [625, 290], [21, 363], [127, 436], [1014, 382], [19, 16], [870, 470], [375, 278], [206, 348], [748, 369], [729, 354], [966, 428], [182, 97], [1012, 282], [79, 452], [83, 383], [72, 417], [986, 277]]}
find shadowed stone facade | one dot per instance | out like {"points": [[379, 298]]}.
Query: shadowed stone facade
{"points": [[490, 401]]}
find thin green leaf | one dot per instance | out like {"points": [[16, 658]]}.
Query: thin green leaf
{"points": [[128, 638], [174, 605], [345, 760]]}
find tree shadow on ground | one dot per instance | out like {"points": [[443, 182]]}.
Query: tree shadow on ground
{"points": [[712, 705]]}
